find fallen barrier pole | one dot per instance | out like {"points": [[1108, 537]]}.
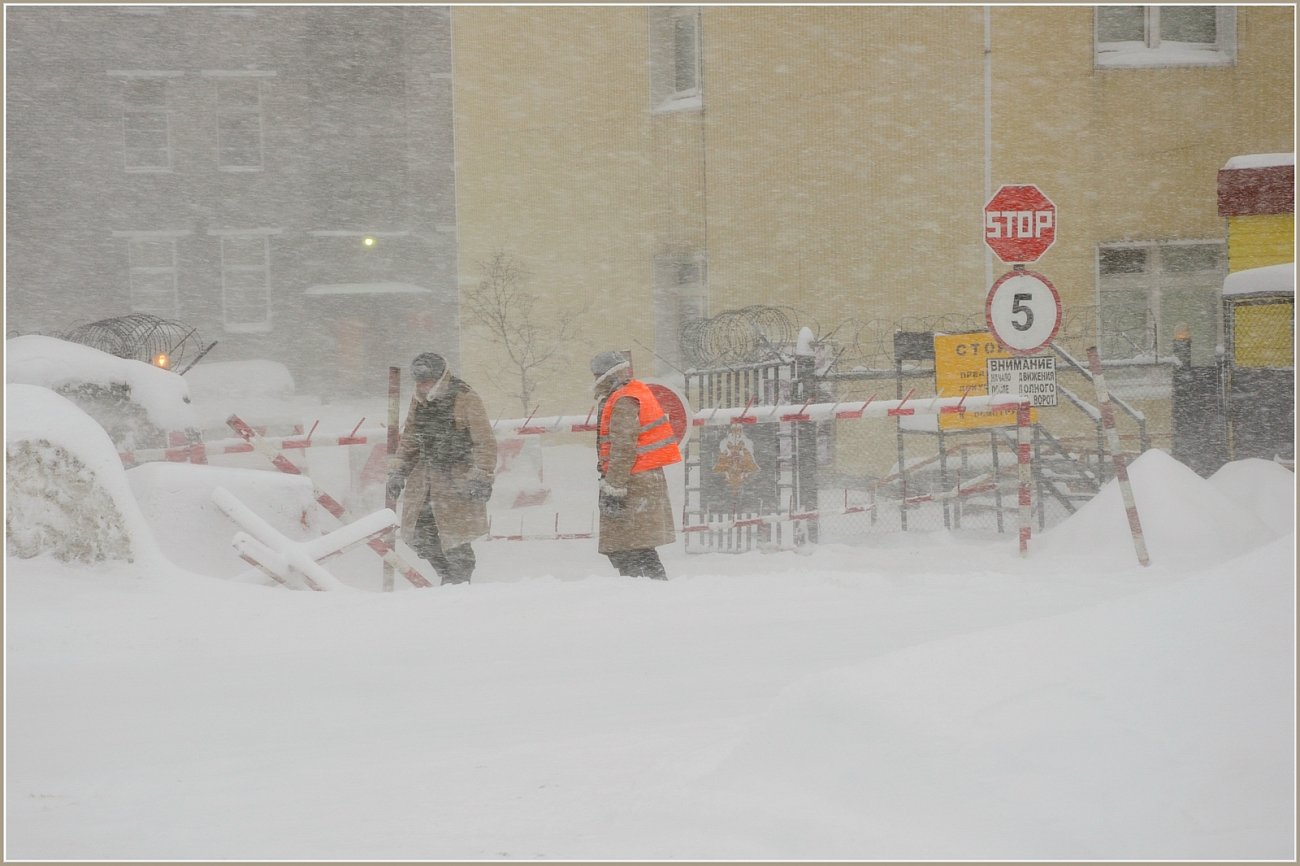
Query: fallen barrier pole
{"points": [[329, 503], [281, 558]]}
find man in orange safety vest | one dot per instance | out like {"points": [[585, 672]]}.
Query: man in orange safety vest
{"points": [[634, 443]]}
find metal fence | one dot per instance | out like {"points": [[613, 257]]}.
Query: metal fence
{"points": [[778, 485]]}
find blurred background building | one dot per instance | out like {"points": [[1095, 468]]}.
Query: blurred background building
{"points": [[278, 178]]}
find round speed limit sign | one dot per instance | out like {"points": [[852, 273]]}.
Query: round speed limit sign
{"points": [[1023, 311]]}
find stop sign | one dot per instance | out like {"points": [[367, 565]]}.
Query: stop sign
{"points": [[1019, 223]]}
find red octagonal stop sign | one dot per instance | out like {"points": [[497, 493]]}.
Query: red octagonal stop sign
{"points": [[1019, 223]]}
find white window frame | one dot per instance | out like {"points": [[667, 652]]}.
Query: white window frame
{"points": [[1153, 51], [226, 112], [138, 274], [1155, 283], [681, 295], [132, 112], [666, 58], [229, 269]]}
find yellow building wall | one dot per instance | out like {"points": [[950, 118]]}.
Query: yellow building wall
{"points": [[841, 173], [1260, 240], [553, 168], [839, 164]]}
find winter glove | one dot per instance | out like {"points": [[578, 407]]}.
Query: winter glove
{"points": [[612, 499], [478, 485], [396, 482]]}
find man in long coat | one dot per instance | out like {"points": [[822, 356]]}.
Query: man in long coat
{"points": [[635, 441], [444, 470]]}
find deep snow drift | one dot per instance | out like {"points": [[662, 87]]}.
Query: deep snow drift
{"points": [[915, 696]]}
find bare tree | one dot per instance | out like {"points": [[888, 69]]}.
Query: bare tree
{"points": [[504, 308]]}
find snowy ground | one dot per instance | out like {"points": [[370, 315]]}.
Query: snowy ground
{"points": [[912, 696]]}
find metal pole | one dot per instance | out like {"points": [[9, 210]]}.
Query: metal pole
{"points": [[394, 409], [1121, 469], [1023, 450]]}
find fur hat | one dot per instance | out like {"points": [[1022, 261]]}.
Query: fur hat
{"points": [[428, 366], [607, 362]]}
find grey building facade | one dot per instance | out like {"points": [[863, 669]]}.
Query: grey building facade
{"points": [[280, 178]]}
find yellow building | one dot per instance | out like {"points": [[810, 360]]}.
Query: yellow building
{"points": [[644, 166]]}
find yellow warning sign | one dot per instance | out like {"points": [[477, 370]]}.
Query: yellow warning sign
{"points": [[959, 368]]}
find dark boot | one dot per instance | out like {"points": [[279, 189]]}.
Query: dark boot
{"points": [[643, 562], [460, 564]]}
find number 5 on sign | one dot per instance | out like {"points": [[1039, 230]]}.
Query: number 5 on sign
{"points": [[1023, 311]]}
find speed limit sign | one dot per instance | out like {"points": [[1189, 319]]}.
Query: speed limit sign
{"points": [[1023, 311]]}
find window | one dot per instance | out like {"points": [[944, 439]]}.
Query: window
{"points": [[1148, 292], [681, 297], [152, 264], [675, 80], [239, 124], [146, 125], [245, 282], [1133, 36]]}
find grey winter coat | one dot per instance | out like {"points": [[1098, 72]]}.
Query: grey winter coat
{"points": [[437, 465], [646, 519]]}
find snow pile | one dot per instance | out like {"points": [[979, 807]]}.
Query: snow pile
{"points": [[87, 376], [1261, 488], [1187, 522], [239, 379], [191, 531], [262, 393], [1260, 160], [1270, 279], [66, 492]]}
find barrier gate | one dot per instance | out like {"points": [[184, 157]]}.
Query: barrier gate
{"points": [[739, 474]]}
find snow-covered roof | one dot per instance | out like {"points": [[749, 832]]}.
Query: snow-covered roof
{"points": [[52, 363], [367, 289], [1272, 279], [1260, 160]]}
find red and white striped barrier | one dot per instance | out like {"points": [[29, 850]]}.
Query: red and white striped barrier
{"points": [[329, 503], [292, 563], [193, 452], [787, 412], [197, 451], [1117, 456]]}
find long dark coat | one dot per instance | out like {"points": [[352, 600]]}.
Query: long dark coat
{"points": [[646, 520], [460, 519]]}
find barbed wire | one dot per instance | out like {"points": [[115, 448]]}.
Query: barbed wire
{"points": [[139, 336], [760, 333], [744, 336]]}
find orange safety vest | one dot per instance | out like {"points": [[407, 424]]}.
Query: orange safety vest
{"points": [[655, 444]]}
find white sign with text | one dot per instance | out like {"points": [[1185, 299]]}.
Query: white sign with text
{"points": [[1030, 377]]}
